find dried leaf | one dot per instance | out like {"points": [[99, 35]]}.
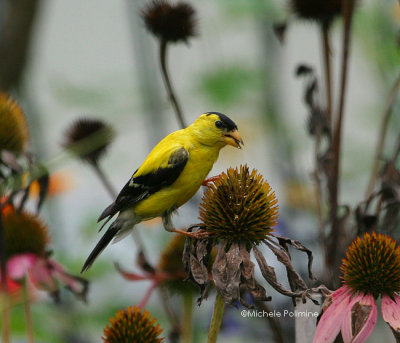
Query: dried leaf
{"points": [[298, 246], [226, 272], [247, 270]]}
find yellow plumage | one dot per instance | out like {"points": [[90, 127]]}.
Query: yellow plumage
{"points": [[169, 176]]}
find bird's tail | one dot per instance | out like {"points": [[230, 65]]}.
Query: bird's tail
{"points": [[116, 228]]}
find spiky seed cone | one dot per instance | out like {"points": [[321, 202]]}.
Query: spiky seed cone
{"points": [[132, 325], [170, 22], [24, 233], [372, 265], [89, 139], [323, 11], [239, 207], [14, 133]]}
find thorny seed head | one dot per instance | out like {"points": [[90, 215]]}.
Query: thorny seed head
{"points": [[239, 207], [321, 11], [14, 133], [170, 22], [89, 139], [132, 325], [372, 265], [24, 233]]}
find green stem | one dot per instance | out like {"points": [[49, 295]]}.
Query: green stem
{"points": [[186, 334], [5, 332], [3, 291], [216, 319], [28, 313]]}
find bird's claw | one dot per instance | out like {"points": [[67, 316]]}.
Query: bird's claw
{"points": [[209, 180]]}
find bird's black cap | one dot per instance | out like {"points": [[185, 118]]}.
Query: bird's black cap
{"points": [[229, 123]]}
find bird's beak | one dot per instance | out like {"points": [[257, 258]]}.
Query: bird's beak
{"points": [[233, 138]]}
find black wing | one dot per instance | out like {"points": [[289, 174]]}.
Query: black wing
{"points": [[139, 188]]}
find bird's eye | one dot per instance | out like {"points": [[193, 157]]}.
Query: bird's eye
{"points": [[219, 124]]}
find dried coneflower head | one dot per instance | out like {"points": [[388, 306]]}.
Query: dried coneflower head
{"points": [[171, 257], [24, 233], [372, 265], [89, 139], [14, 133], [132, 325], [321, 11], [170, 22], [239, 207]]}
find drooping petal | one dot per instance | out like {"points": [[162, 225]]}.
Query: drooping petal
{"points": [[42, 275], [391, 312], [360, 319], [75, 284], [149, 292], [329, 325], [19, 265]]}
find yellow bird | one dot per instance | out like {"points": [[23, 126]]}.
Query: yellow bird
{"points": [[169, 176]]}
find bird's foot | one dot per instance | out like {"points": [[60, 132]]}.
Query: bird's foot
{"points": [[195, 235], [209, 180]]}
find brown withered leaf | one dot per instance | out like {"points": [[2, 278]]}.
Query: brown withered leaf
{"points": [[247, 270], [194, 261], [269, 274], [283, 241], [283, 257], [226, 272]]}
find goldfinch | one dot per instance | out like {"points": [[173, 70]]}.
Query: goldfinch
{"points": [[169, 176]]}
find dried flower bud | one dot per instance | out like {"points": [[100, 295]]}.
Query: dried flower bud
{"points": [[321, 11], [89, 139], [132, 325], [170, 22], [24, 233], [239, 207], [14, 133]]}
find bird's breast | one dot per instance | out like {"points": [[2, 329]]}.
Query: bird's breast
{"points": [[199, 164]]}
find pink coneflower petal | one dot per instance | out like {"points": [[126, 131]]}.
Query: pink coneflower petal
{"points": [[77, 285], [361, 315], [148, 294], [330, 322], [19, 265], [42, 275], [391, 311]]}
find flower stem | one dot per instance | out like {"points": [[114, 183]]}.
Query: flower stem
{"points": [[104, 180], [5, 336], [216, 319], [111, 191], [328, 72], [168, 85], [186, 329], [336, 231], [28, 313], [5, 330]]}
